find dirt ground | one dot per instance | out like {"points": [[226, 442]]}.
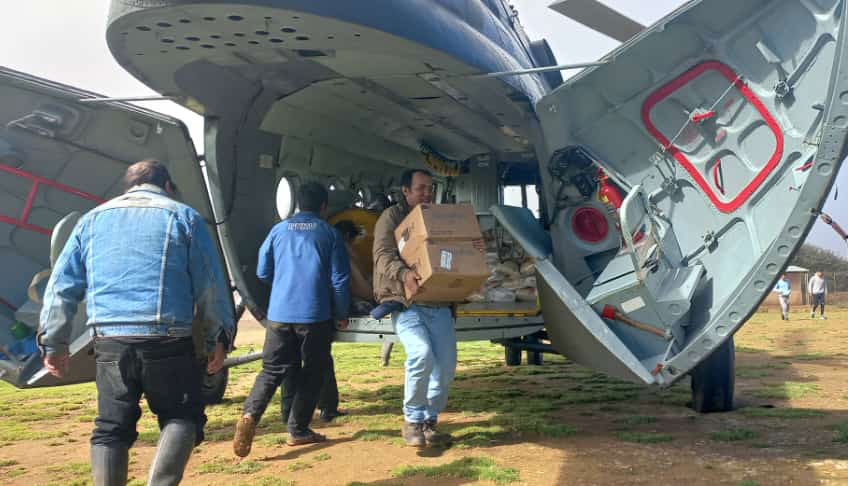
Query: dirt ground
{"points": [[555, 424]]}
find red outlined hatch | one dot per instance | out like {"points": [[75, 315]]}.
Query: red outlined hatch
{"points": [[700, 118], [38, 181]]}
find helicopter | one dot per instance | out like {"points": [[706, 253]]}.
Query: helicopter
{"points": [[675, 177]]}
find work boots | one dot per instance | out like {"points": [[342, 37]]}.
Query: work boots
{"points": [[175, 444], [413, 434], [243, 439], [109, 464], [433, 437]]}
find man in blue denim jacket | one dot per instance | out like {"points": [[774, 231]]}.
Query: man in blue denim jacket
{"points": [[306, 262], [144, 262]]}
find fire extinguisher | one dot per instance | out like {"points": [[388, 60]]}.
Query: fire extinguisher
{"points": [[607, 192]]}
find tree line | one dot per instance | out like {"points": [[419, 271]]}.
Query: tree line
{"points": [[834, 267]]}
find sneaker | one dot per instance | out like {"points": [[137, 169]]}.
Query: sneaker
{"points": [[433, 437], [812, 315], [413, 434], [243, 439], [329, 415], [311, 437], [822, 317]]}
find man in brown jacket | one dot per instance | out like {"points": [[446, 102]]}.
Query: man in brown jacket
{"points": [[425, 330]]}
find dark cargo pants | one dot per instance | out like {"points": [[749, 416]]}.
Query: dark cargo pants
{"points": [[298, 354], [164, 370]]}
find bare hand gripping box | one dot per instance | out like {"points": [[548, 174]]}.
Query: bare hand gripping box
{"points": [[436, 241]]}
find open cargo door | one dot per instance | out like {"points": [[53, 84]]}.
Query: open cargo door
{"points": [[680, 177], [59, 157]]}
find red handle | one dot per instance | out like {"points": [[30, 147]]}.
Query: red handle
{"points": [[718, 174]]}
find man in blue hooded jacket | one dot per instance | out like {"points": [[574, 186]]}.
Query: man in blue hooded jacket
{"points": [[306, 262]]}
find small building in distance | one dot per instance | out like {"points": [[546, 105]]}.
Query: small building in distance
{"points": [[798, 278]]}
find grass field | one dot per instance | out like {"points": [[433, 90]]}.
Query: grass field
{"points": [[553, 424]]}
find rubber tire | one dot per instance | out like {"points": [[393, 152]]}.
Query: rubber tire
{"points": [[535, 358], [214, 386], [714, 380], [512, 356]]}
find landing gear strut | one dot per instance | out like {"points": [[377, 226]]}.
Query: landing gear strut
{"points": [[532, 344]]}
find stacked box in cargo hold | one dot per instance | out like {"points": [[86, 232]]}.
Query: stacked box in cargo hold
{"points": [[436, 241], [512, 274]]}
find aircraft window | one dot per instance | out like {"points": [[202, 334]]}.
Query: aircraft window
{"points": [[524, 196], [532, 199], [285, 198], [512, 195]]}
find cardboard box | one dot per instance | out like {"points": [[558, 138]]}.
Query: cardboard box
{"points": [[441, 222], [450, 271]]}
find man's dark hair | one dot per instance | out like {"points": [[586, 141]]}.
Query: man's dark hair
{"points": [[348, 229], [147, 172], [406, 177], [311, 196]]}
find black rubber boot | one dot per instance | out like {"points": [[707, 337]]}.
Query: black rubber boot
{"points": [[175, 444], [109, 464]]}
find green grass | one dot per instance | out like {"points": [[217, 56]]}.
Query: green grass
{"points": [[479, 435], [782, 413], [787, 391], [733, 435], [747, 349], [634, 420], [473, 468], [840, 433], [375, 435], [71, 468], [229, 466], [299, 466], [532, 424], [7, 462], [748, 482], [13, 473], [644, 437], [268, 481]]}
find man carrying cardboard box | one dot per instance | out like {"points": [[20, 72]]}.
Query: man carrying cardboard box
{"points": [[426, 330]]}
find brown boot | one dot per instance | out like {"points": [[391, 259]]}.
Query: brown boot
{"points": [[413, 434], [311, 437], [433, 437], [243, 440]]}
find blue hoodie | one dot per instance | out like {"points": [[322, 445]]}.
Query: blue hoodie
{"points": [[306, 262]]}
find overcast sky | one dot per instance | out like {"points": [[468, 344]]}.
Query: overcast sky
{"points": [[65, 41]]}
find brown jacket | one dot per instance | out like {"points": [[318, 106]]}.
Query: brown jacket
{"points": [[388, 266], [360, 287]]}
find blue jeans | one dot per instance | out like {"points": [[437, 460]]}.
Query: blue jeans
{"points": [[429, 338]]}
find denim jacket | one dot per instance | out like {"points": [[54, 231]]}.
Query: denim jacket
{"points": [[143, 262]]}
